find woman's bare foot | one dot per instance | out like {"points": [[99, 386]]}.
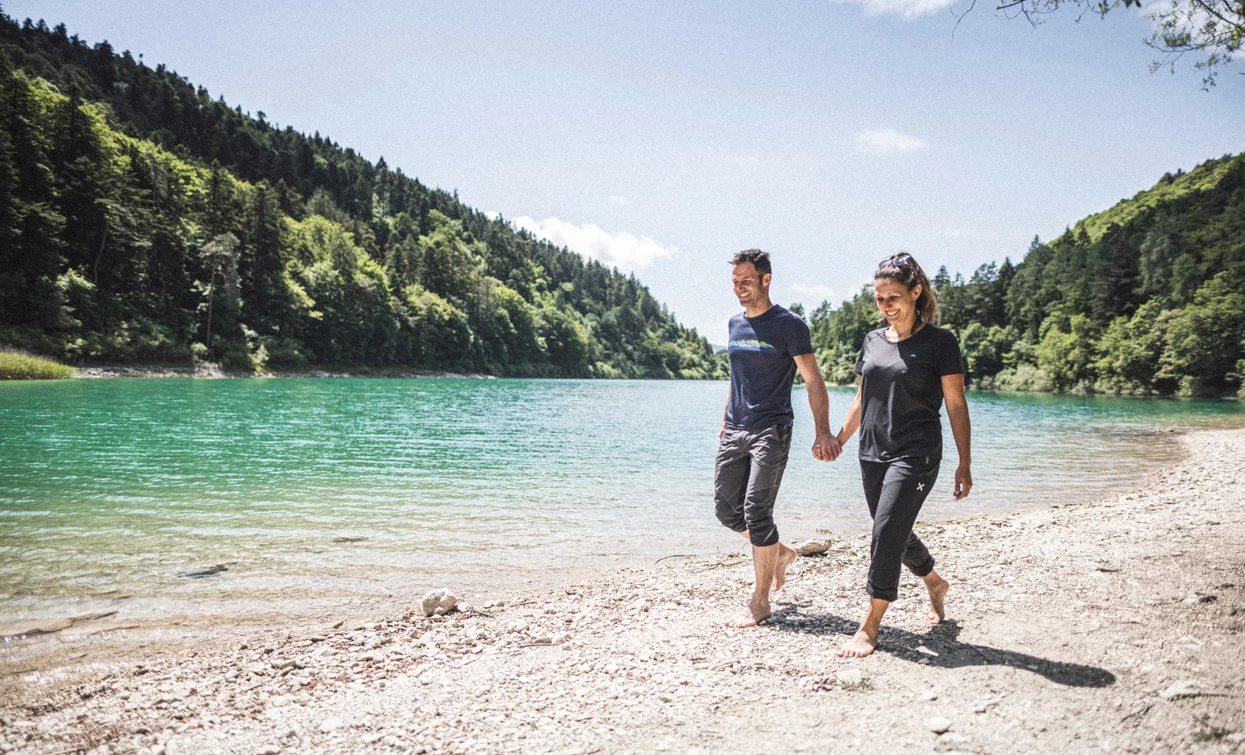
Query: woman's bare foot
{"points": [[860, 645], [786, 557], [758, 611], [937, 587]]}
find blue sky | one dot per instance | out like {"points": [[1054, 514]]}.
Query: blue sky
{"points": [[664, 136]]}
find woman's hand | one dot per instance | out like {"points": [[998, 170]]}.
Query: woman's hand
{"points": [[963, 481]]}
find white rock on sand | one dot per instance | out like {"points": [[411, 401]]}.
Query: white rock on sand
{"points": [[439, 602], [813, 546]]}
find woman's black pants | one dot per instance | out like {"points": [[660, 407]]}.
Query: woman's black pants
{"points": [[895, 491]]}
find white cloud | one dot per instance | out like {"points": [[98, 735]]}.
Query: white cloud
{"points": [[491, 215], [888, 141], [623, 250], [616, 199], [906, 8]]}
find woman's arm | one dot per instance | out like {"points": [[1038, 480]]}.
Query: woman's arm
{"points": [[957, 413], [851, 423]]}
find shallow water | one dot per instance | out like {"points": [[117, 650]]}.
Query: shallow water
{"points": [[317, 492]]}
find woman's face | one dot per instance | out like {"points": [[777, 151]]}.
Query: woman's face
{"points": [[896, 303]]}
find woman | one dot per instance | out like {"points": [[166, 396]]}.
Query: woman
{"points": [[906, 370]]}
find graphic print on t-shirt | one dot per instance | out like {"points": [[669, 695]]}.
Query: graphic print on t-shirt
{"points": [[749, 346]]}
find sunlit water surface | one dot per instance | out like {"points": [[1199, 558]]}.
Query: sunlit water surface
{"points": [[319, 492]]}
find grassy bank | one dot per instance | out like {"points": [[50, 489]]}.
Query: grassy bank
{"points": [[18, 365]]}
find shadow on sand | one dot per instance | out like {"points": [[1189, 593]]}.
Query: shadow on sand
{"points": [[941, 648]]}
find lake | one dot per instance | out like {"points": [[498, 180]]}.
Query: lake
{"points": [[319, 493]]}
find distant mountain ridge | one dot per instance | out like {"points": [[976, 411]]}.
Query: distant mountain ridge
{"points": [[143, 221]]}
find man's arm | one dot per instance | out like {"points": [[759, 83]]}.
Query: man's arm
{"points": [[825, 446]]}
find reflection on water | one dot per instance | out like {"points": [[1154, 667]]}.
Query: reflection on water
{"points": [[318, 490]]}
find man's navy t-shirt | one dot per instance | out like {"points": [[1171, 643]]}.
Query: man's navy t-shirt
{"points": [[763, 368]]}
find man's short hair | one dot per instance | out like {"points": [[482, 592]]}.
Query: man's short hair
{"points": [[757, 257]]}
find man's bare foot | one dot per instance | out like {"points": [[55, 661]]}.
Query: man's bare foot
{"points": [[860, 645], [937, 600], [758, 611], [786, 557]]}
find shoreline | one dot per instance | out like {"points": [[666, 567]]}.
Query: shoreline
{"points": [[213, 372], [1114, 624]]}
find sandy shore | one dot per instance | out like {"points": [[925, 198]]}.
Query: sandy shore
{"points": [[1115, 625]]}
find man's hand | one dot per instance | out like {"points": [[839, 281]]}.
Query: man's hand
{"points": [[826, 447]]}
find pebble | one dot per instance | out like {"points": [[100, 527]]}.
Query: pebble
{"points": [[813, 546], [939, 724], [331, 724], [269, 750], [1183, 688], [849, 677], [439, 602]]}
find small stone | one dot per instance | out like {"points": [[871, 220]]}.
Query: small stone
{"points": [[439, 602], [928, 696], [939, 725], [331, 724], [200, 572], [1236, 737], [1177, 690], [815, 546], [849, 677], [269, 750], [954, 738]]}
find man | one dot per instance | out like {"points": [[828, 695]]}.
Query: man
{"points": [[767, 344]]}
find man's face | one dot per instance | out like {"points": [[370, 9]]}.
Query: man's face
{"points": [[750, 286]]}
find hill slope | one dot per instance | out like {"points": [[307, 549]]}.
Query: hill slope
{"points": [[143, 221], [1147, 297]]}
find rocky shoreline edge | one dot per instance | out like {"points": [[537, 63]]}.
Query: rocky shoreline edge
{"points": [[1114, 626]]}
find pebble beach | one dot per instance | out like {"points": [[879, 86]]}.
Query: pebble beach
{"points": [[1112, 625]]}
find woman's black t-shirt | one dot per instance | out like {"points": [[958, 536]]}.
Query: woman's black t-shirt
{"points": [[901, 393]]}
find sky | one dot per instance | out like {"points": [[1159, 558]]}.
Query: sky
{"points": [[662, 137]]}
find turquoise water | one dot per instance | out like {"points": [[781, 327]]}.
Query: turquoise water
{"points": [[318, 492]]}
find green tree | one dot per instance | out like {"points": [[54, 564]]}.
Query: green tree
{"points": [[1203, 340]]}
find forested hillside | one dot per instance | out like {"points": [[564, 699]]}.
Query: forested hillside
{"points": [[1145, 298], [143, 221]]}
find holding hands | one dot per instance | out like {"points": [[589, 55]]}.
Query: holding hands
{"points": [[826, 447]]}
